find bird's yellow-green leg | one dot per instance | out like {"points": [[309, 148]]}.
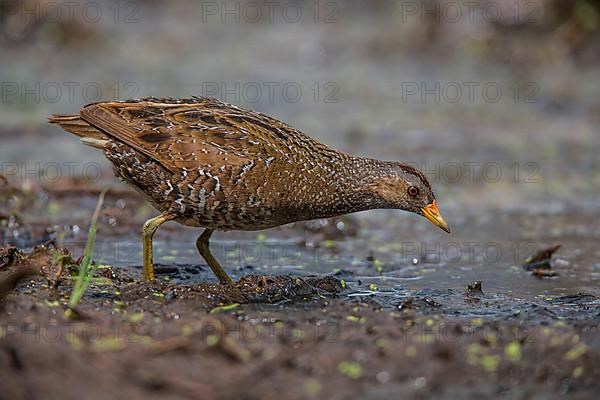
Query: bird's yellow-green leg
{"points": [[148, 230], [202, 244]]}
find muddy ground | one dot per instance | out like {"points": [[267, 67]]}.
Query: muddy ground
{"points": [[336, 333]]}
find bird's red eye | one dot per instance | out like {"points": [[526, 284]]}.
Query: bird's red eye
{"points": [[413, 191]]}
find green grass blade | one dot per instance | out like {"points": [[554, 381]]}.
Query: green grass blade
{"points": [[87, 269]]}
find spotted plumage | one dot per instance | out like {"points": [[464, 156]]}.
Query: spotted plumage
{"points": [[206, 163]]}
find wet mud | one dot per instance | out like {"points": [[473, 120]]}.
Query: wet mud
{"points": [[332, 326]]}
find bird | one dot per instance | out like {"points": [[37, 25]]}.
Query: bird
{"points": [[206, 163]]}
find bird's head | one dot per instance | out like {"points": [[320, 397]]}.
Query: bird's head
{"points": [[406, 188]]}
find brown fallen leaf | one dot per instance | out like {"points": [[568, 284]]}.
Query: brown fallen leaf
{"points": [[9, 279], [17, 266]]}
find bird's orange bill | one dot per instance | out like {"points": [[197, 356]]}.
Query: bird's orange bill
{"points": [[432, 213]]}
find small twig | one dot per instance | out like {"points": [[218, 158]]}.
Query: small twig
{"points": [[64, 257]]}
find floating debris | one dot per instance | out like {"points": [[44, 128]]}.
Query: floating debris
{"points": [[540, 264], [474, 288], [411, 303]]}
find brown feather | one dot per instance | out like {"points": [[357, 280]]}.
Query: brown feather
{"points": [[75, 125]]}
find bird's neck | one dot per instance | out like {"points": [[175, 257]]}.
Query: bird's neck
{"points": [[346, 186]]}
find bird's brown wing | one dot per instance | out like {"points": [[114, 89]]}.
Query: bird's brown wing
{"points": [[190, 133]]}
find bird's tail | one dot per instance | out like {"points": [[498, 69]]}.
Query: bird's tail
{"points": [[89, 135]]}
